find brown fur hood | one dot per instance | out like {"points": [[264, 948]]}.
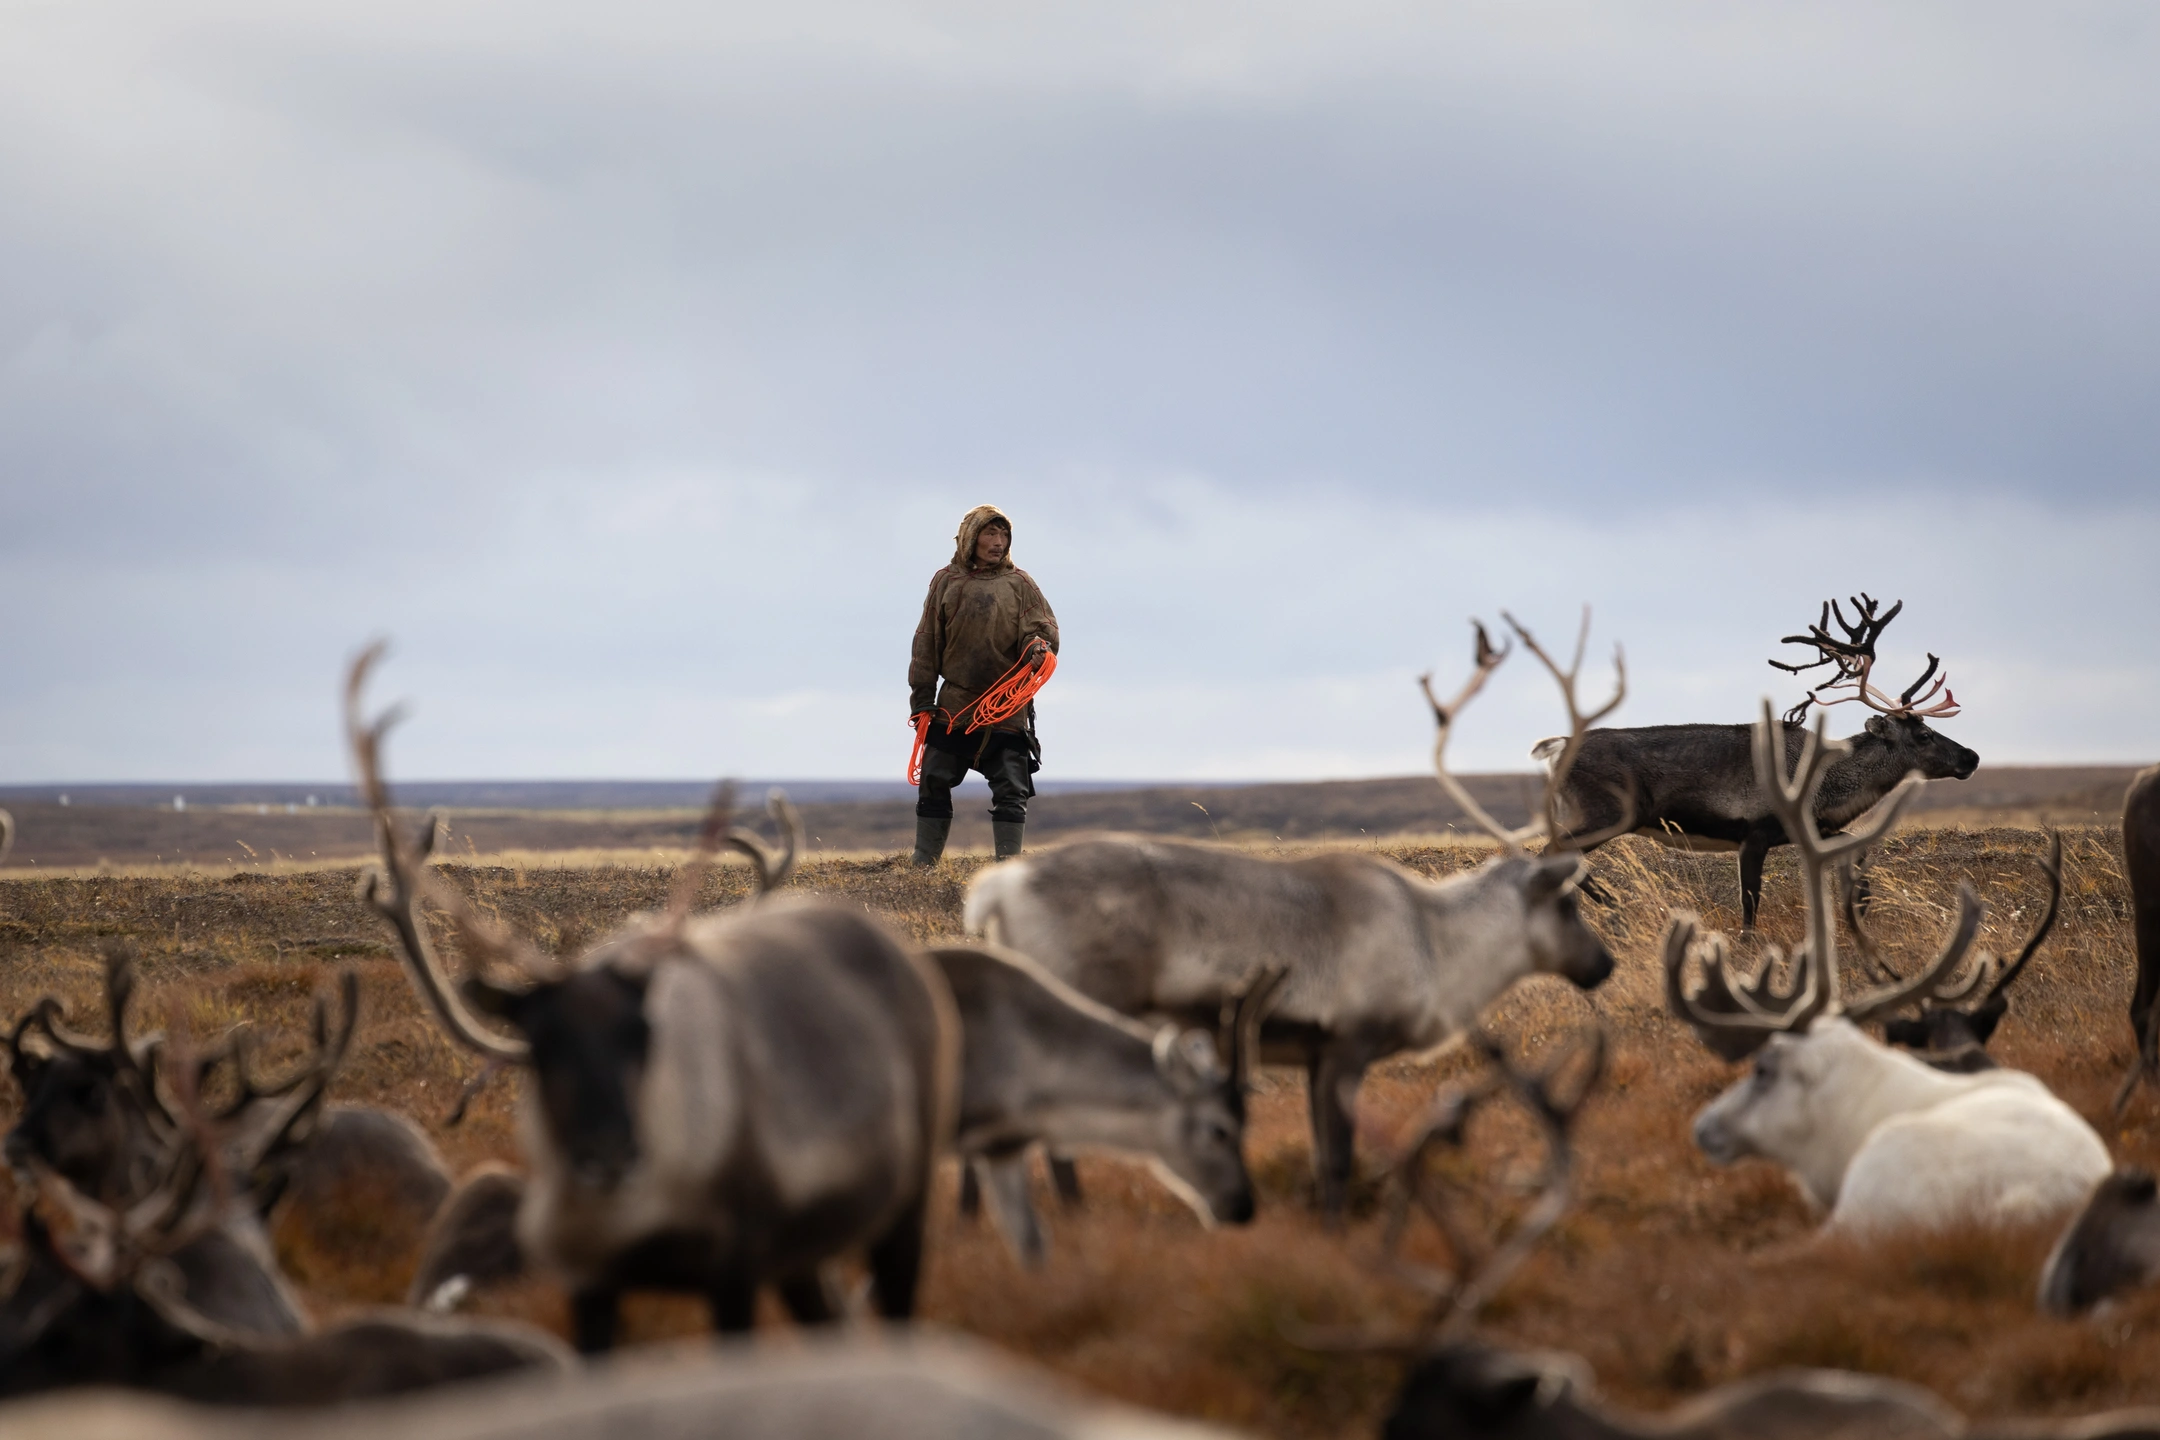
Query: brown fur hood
{"points": [[971, 528]]}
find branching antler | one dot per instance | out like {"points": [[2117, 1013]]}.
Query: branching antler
{"points": [[1459, 1298], [1854, 657], [403, 882], [772, 870], [1546, 824], [1729, 1012]]}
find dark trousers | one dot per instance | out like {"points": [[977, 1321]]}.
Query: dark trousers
{"points": [[1003, 761]]}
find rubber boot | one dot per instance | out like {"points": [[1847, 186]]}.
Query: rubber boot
{"points": [[1005, 835], [930, 836]]}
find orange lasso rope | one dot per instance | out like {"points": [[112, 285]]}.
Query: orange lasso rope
{"points": [[1007, 698]]}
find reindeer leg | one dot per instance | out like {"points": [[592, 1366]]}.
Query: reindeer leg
{"points": [[1332, 1079], [1754, 850], [896, 1263], [809, 1299], [970, 1192], [1006, 1180], [1065, 1176], [732, 1299], [593, 1316]]}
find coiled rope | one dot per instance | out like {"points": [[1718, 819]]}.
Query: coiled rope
{"points": [[1003, 700]]}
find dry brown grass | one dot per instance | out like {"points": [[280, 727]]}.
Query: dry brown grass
{"points": [[1669, 1275]]}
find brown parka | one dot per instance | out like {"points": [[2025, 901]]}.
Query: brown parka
{"points": [[975, 622]]}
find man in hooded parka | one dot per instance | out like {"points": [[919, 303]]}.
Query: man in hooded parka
{"points": [[977, 620]]}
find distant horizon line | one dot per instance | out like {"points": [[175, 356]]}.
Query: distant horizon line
{"points": [[695, 791]]}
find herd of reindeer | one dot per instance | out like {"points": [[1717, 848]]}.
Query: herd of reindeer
{"points": [[725, 1102]]}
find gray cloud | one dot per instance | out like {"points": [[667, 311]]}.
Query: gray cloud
{"points": [[632, 366]]}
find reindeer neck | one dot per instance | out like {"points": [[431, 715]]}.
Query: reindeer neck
{"points": [[1474, 940], [1853, 784]]}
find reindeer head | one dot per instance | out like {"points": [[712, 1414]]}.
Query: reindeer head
{"points": [[1202, 1152], [2113, 1244], [1899, 726], [581, 1026], [90, 1107]]}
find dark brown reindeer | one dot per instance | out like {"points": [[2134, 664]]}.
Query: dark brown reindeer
{"points": [[96, 1114], [715, 1102], [99, 1295], [2141, 860], [1693, 786]]}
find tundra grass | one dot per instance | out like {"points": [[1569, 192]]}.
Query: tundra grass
{"points": [[1668, 1275]]}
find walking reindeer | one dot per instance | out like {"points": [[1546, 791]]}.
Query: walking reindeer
{"points": [[1879, 1140], [1380, 960], [716, 1102], [1693, 786]]}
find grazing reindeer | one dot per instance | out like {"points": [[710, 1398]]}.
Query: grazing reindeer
{"points": [[7, 834], [1691, 786], [1039, 1063], [1954, 1037], [100, 1297], [1380, 960], [94, 1114], [2141, 858], [717, 1102], [1875, 1137]]}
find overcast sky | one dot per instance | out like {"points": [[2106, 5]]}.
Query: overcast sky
{"points": [[631, 365]]}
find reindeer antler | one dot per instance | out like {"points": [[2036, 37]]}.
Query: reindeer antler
{"points": [[403, 882], [772, 870], [1854, 657], [1459, 1298], [1728, 1011], [1546, 825]]}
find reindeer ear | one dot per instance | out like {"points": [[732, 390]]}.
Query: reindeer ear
{"points": [[1879, 726], [1188, 1060], [1553, 876]]}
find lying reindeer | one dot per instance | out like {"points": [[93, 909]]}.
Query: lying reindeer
{"points": [[473, 1241], [98, 1298], [95, 1114], [1380, 959], [717, 1102], [1875, 1138], [1039, 1063]]}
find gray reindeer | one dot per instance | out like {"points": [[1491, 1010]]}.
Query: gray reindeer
{"points": [[716, 1102]]}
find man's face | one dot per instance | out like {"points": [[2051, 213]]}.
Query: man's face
{"points": [[991, 544]]}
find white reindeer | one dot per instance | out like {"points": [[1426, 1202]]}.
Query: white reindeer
{"points": [[1876, 1138]]}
